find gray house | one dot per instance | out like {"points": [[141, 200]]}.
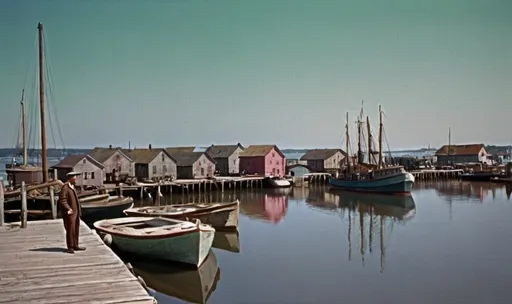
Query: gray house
{"points": [[459, 154], [91, 169], [152, 163], [116, 163], [194, 165], [227, 158], [324, 160]]}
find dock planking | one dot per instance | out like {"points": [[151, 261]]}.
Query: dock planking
{"points": [[35, 269]]}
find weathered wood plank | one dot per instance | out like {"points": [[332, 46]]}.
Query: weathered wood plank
{"points": [[34, 268]]}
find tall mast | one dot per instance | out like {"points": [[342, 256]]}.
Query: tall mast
{"points": [[41, 104], [347, 145], [360, 135], [380, 137], [369, 140], [24, 128], [449, 141]]}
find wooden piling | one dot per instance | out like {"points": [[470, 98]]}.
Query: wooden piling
{"points": [[2, 214], [53, 203], [24, 208]]}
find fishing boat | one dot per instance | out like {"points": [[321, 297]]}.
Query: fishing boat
{"points": [[160, 238], [222, 216], [179, 280], [108, 208], [94, 198], [278, 182], [376, 176]]}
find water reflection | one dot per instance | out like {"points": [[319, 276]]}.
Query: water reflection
{"points": [[465, 191], [267, 205], [371, 216], [178, 280], [228, 241]]}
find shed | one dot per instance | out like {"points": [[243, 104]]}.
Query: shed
{"points": [[194, 165], [116, 163], [154, 164], [91, 169], [227, 158], [266, 160], [459, 154], [324, 160]]}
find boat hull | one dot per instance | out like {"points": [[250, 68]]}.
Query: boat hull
{"points": [[91, 214], [221, 218], [189, 248], [398, 184]]}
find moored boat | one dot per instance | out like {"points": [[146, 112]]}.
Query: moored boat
{"points": [[111, 207], [278, 182], [160, 238], [373, 175], [94, 198], [222, 216]]}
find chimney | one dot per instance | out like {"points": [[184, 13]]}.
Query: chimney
{"points": [[149, 146], [110, 147]]}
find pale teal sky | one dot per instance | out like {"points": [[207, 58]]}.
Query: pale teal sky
{"points": [[263, 71]]}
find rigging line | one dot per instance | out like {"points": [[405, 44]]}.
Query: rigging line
{"points": [[49, 112], [31, 60], [51, 91]]}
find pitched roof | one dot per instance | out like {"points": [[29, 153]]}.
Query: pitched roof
{"points": [[471, 149], [71, 161], [259, 150], [223, 151], [321, 154], [103, 154], [185, 159], [173, 150], [145, 156]]}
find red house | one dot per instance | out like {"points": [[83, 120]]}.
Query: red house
{"points": [[265, 160]]}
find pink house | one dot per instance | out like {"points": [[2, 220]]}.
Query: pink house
{"points": [[266, 160]]}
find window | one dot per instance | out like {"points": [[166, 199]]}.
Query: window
{"points": [[273, 154], [278, 172], [92, 175], [277, 163], [84, 161], [154, 170], [270, 162], [85, 175], [163, 157], [164, 169], [202, 171]]}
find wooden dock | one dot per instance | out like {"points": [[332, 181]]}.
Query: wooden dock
{"points": [[431, 174], [35, 269]]}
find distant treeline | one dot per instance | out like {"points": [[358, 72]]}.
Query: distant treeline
{"points": [[51, 152]]}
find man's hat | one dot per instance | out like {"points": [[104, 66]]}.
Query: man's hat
{"points": [[71, 174]]}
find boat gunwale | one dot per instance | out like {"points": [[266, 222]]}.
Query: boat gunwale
{"points": [[210, 209], [101, 204], [199, 227]]}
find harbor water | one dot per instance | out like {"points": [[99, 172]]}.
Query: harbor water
{"points": [[313, 245]]}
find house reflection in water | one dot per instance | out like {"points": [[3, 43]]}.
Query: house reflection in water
{"points": [[270, 206]]}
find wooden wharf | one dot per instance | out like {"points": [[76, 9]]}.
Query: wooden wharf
{"points": [[35, 269], [437, 174]]}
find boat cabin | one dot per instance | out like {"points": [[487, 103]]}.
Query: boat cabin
{"points": [[376, 174]]}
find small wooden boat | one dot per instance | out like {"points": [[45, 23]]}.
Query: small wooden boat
{"points": [[277, 182], [179, 280], [222, 216], [94, 198], [160, 238], [111, 207]]}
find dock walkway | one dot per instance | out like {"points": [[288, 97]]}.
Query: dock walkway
{"points": [[35, 269]]}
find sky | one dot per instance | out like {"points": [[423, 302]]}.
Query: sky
{"points": [[285, 72]]}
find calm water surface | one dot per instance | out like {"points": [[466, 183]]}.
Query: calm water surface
{"points": [[313, 245]]}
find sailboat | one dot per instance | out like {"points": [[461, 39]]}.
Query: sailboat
{"points": [[375, 178], [32, 174]]}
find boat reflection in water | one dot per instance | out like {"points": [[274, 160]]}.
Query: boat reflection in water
{"points": [[228, 240], [373, 215], [467, 192], [179, 280], [268, 205]]}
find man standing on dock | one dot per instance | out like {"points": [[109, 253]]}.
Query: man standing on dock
{"points": [[68, 199]]}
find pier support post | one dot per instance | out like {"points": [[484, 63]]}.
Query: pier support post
{"points": [[53, 203], [2, 200], [120, 191], [23, 205], [141, 192], [222, 186]]}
